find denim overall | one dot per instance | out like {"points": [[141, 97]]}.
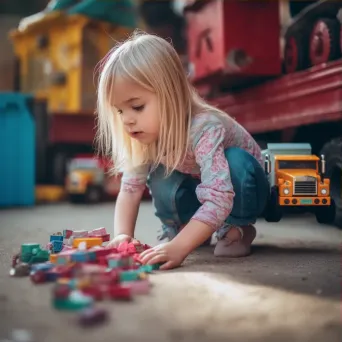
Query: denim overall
{"points": [[176, 202]]}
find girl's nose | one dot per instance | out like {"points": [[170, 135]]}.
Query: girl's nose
{"points": [[129, 120]]}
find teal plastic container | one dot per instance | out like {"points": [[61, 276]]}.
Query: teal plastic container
{"points": [[17, 150]]}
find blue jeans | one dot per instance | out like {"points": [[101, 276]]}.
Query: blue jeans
{"points": [[176, 202]]}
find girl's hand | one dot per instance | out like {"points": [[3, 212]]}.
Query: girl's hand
{"points": [[169, 254], [118, 239]]}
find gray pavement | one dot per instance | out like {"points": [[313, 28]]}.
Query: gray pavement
{"points": [[288, 290]]}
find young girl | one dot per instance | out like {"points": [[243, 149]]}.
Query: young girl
{"points": [[202, 168]]}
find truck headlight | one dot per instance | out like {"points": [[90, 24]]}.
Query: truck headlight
{"points": [[286, 191], [74, 178], [324, 191]]}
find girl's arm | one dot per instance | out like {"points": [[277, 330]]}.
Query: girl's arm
{"points": [[215, 191], [126, 212], [192, 235], [133, 184]]}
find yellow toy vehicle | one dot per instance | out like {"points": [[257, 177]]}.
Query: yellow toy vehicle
{"points": [[88, 180], [297, 179]]}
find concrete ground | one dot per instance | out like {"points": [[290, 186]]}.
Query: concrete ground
{"points": [[288, 290]]}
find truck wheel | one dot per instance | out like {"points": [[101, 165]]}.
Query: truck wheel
{"points": [[324, 41], [58, 167], [93, 194], [326, 215], [296, 53], [333, 156], [273, 212], [76, 199]]}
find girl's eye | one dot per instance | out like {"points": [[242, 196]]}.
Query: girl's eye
{"points": [[139, 108], [119, 112]]}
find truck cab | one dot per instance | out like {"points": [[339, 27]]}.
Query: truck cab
{"points": [[297, 179]]}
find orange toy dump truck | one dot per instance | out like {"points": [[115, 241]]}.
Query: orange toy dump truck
{"points": [[297, 178]]}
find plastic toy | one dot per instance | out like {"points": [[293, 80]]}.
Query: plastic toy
{"points": [[71, 300], [139, 287], [121, 293], [89, 180], [92, 316], [297, 179], [88, 242], [86, 273]]}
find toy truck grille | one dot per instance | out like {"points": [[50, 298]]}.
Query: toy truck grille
{"points": [[305, 186]]}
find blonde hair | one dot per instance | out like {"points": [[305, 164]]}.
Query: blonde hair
{"points": [[152, 63]]}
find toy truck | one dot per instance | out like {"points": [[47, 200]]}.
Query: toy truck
{"points": [[297, 179], [89, 181], [286, 85]]}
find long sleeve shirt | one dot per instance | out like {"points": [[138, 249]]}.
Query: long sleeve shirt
{"points": [[210, 135]]}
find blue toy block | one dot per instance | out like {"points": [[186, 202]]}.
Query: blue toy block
{"points": [[62, 260], [80, 256], [42, 267], [57, 246], [51, 276], [114, 263], [56, 238], [92, 256]]}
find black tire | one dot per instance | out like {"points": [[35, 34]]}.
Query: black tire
{"points": [[333, 156], [326, 214], [296, 52], [273, 211], [94, 194], [77, 199], [59, 167]]}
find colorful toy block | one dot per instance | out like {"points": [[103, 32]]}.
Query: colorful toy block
{"points": [[85, 271], [89, 242]]}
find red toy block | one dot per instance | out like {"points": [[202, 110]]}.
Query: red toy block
{"points": [[38, 277], [102, 251], [126, 247], [105, 238], [140, 247], [93, 291], [89, 268], [67, 234], [80, 234], [123, 247], [112, 276], [120, 293], [61, 292], [62, 271], [102, 261]]}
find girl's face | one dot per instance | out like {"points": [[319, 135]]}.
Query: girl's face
{"points": [[138, 110]]}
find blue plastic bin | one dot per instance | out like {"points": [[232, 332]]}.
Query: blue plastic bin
{"points": [[17, 150]]}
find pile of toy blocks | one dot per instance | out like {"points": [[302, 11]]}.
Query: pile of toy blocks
{"points": [[85, 271]]}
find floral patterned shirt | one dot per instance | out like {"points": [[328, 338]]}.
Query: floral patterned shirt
{"points": [[210, 135]]}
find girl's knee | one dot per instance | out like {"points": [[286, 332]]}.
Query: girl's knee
{"points": [[163, 188], [249, 181], [174, 196]]}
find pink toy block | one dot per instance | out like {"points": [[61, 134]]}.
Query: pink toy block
{"points": [[139, 287], [98, 231]]}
